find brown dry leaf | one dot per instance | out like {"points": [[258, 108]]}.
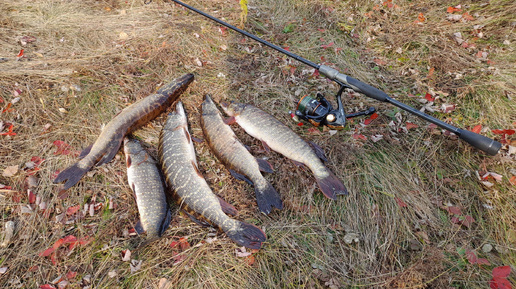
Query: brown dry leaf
{"points": [[10, 171], [164, 283]]}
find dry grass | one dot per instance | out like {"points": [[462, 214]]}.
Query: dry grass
{"points": [[116, 52]]}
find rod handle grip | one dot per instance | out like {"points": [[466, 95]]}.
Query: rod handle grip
{"points": [[490, 146]]}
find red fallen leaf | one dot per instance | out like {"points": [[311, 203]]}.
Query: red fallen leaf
{"points": [[46, 286], [34, 268], [313, 130], [401, 203], [429, 97], [250, 260], [503, 131], [9, 131], [7, 107], [500, 283], [453, 9], [183, 244], [37, 160], [473, 259], [316, 73], [286, 48], [327, 45], [374, 116], [174, 244], [178, 258], [299, 124], [411, 125], [512, 180], [20, 54], [502, 271], [477, 128], [432, 126], [71, 275], [467, 17], [32, 197], [453, 210], [359, 136], [223, 30], [53, 258], [46, 252], [337, 50], [379, 61], [430, 72], [72, 210], [321, 30], [69, 239], [55, 174], [62, 148], [58, 243], [467, 220], [421, 17]]}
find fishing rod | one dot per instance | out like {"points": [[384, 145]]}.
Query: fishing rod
{"points": [[319, 111]]}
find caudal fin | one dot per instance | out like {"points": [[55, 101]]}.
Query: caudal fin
{"points": [[331, 186], [267, 197], [247, 235], [71, 175]]}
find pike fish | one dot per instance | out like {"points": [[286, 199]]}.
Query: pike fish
{"points": [[128, 120], [228, 149], [283, 140], [147, 183], [191, 191]]}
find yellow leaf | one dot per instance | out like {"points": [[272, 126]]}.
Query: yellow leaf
{"points": [[243, 14]]}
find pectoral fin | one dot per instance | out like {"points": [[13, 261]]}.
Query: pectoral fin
{"points": [[318, 151], [240, 177], [264, 166]]}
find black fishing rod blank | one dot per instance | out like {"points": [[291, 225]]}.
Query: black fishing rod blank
{"points": [[319, 111]]}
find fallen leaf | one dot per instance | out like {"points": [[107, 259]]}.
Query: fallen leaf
{"points": [[430, 72], [71, 275], [242, 252], [3, 270], [502, 272], [421, 17], [47, 286], [477, 128], [62, 148], [359, 136], [411, 125], [72, 210], [401, 203], [126, 255], [135, 265], [453, 9], [325, 46], [503, 131], [429, 97], [512, 180], [453, 210], [10, 171], [468, 17]]}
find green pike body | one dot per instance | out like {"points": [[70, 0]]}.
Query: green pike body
{"points": [[191, 191], [283, 140], [228, 149], [129, 119], [145, 180]]}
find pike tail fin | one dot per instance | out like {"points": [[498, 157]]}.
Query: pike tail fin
{"points": [[71, 175], [267, 197], [331, 186], [247, 235]]}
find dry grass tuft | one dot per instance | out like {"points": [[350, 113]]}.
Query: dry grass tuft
{"points": [[85, 61]]}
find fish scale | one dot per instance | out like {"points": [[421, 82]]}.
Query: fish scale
{"points": [[191, 191]]}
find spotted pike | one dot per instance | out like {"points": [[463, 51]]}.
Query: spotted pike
{"points": [[145, 180], [228, 149], [129, 119], [282, 139], [191, 191]]}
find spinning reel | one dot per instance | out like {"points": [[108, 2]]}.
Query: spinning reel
{"points": [[319, 111]]}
